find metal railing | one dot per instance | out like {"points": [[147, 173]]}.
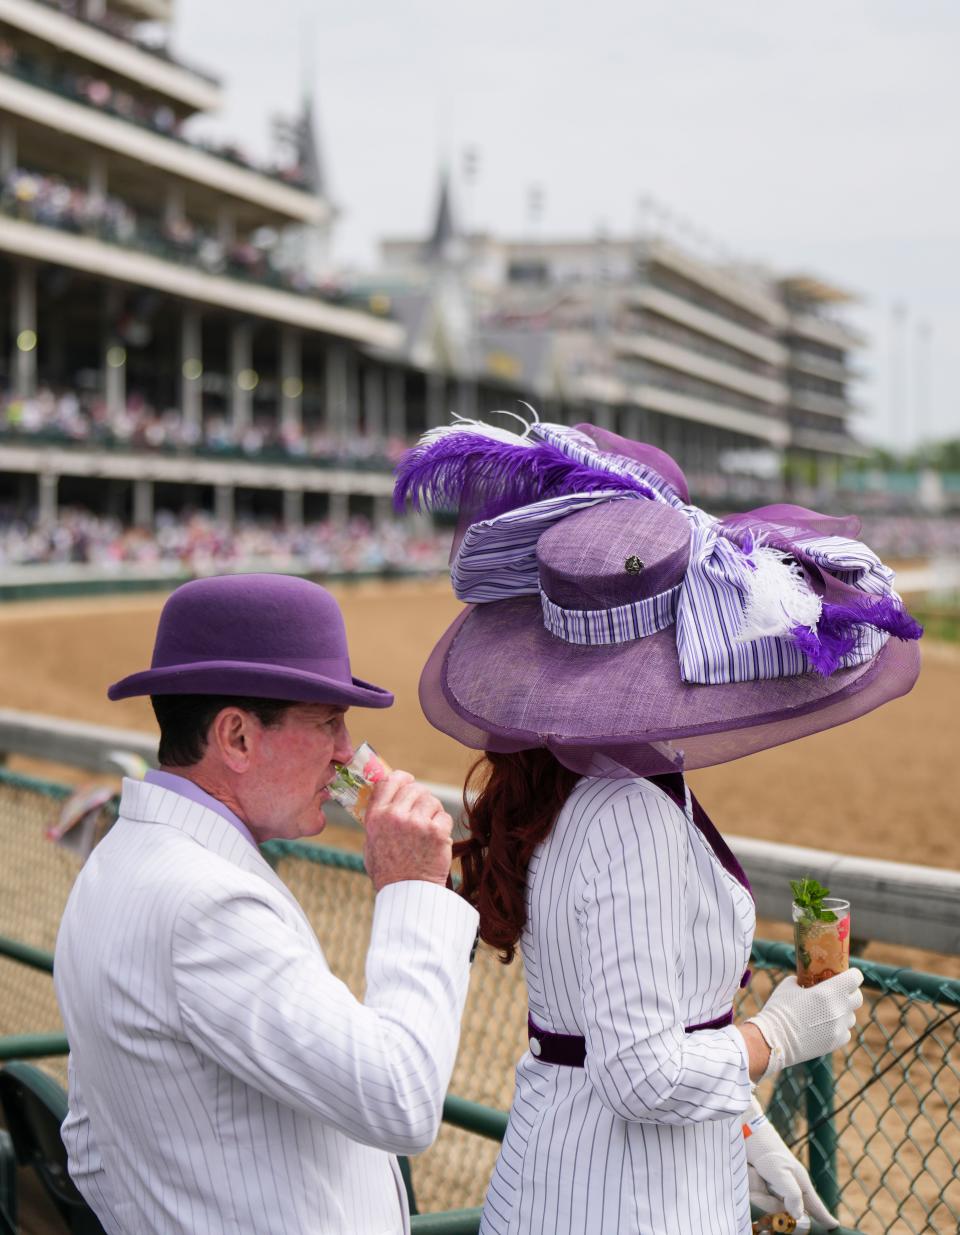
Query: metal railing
{"points": [[896, 902], [143, 236], [878, 1124], [57, 80]]}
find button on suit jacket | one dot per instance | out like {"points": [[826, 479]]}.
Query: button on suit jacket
{"points": [[221, 1078]]}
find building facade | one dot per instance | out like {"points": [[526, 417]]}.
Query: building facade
{"points": [[155, 291], [732, 370], [171, 334]]}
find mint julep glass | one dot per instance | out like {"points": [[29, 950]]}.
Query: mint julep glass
{"points": [[823, 945], [353, 784]]}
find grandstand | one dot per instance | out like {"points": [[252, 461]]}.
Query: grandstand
{"points": [[155, 290], [727, 366], [174, 336]]}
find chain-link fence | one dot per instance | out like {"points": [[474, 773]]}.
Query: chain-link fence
{"points": [[878, 1125], [35, 881]]}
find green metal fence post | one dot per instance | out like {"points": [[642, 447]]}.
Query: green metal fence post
{"points": [[784, 1105], [822, 1146]]}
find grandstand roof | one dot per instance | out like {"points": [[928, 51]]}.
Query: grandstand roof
{"points": [[809, 287]]}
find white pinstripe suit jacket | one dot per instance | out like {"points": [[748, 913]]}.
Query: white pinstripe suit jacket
{"points": [[221, 1079], [634, 931]]}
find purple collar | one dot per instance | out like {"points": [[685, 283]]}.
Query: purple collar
{"points": [[187, 789], [672, 784]]}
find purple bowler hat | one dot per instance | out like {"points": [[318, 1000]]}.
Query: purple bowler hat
{"points": [[266, 636]]}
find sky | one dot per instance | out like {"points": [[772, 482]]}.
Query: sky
{"points": [[821, 136]]}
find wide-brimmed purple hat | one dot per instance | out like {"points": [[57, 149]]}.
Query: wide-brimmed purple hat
{"points": [[621, 627], [266, 636]]}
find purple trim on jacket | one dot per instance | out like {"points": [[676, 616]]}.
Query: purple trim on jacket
{"points": [[569, 1049], [187, 789], [673, 786]]}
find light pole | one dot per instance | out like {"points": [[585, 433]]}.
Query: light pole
{"points": [[898, 401]]}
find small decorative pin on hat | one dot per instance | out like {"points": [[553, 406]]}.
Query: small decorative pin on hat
{"points": [[633, 565]]}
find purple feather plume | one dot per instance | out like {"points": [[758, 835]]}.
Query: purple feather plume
{"points": [[470, 469], [836, 635]]}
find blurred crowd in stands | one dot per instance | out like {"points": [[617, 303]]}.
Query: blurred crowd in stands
{"points": [[83, 418], [53, 74], [196, 543], [907, 537], [55, 202]]}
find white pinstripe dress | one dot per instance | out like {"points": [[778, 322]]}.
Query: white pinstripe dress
{"points": [[634, 931]]}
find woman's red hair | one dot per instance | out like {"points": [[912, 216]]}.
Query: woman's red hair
{"points": [[518, 799]]}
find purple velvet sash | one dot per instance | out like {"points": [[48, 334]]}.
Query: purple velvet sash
{"points": [[569, 1049]]}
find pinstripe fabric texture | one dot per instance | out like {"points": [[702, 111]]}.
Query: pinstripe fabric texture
{"points": [[497, 557], [712, 601], [616, 625], [221, 1078], [634, 930], [582, 448]]}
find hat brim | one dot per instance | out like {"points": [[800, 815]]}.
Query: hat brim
{"points": [[498, 680], [228, 677]]}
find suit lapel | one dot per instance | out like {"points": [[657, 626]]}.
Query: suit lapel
{"points": [[148, 803]]}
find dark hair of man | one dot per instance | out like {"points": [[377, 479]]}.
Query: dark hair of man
{"points": [[185, 722]]}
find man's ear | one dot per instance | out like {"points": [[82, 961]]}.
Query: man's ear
{"points": [[233, 735]]}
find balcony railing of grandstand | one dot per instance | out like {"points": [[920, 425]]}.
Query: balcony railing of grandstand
{"points": [[643, 322], [98, 94], [809, 361], [54, 202], [685, 289], [818, 422], [125, 29], [645, 372], [826, 406]]}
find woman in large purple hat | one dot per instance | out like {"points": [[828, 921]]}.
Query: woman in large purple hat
{"points": [[617, 636]]}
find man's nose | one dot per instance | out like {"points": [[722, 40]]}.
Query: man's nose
{"points": [[343, 747]]}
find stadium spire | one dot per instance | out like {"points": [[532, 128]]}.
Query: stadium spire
{"points": [[441, 245]]}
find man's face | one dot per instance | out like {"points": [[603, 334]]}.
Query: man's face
{"points": [[291, 765]]}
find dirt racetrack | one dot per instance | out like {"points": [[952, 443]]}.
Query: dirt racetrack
{"points": [[886, 786]]}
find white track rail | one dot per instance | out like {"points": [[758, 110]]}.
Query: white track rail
{"points": [[894, 902]]}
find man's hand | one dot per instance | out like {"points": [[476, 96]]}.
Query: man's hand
{"points": [[407, 833]]}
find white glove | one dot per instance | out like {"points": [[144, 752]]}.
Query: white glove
{"points": [[800, 1023], [775, 1173], [767, 1203]]}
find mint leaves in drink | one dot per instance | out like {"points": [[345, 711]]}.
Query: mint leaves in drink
{"points": [[809, 896]]}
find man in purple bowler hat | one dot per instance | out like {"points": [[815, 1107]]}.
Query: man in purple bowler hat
{"points": [[222, 1080]]}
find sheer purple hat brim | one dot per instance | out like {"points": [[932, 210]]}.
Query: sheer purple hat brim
{"points": [[263, 681], [498, 680]]}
